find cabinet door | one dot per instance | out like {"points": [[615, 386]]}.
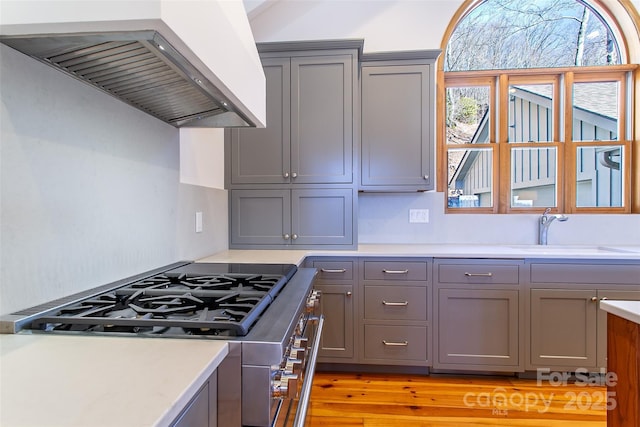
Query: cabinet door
{"points": [[477, 329], [260, 217], [563, 328], [322, 217], [396, 128], [263, 155], [337, 336], [322, 119], [202, 409], [616, 294]]}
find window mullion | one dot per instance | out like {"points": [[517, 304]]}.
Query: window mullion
{"points": [[502, 173]]}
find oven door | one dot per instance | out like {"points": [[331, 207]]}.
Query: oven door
{"points": [[293, 412]]}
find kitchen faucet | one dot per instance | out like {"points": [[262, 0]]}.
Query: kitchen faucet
{"points": [[544, 222]]}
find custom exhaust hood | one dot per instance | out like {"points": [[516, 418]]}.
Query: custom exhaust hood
{"points": [[187, 63]]}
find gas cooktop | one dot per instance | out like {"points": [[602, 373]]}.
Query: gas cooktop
{"points": [[193, 299]]}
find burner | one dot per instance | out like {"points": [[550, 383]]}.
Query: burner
{"points": [[193, 299]]}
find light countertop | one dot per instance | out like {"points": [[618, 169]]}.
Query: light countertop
{"points": [[435, 250], [89, 381], [629, 310]]}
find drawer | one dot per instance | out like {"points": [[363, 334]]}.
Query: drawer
{"points": [[395, 342], [395, 270], [624, 274], [479, 273], [334, 270], [395, 302]]}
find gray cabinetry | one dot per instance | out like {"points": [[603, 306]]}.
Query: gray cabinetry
{"points": [[336, 280], [264, 155], [309, 134], [201, 411], [567, 330], [397, 108], [292, 182], [395, 311], [477, 311], [273, 218]]}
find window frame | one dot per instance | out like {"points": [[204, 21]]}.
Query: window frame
{"points": [[563, 80]]}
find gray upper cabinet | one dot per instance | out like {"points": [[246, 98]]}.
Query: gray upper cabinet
{"points": [[309, 135], [264, 155], [322, 119], [293, 182], [304, 218], [397, 108]]}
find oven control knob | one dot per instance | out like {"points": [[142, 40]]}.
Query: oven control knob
{"points": [[297, 353], [301, 342], [285, 387], [293, 366], [313, 302]]}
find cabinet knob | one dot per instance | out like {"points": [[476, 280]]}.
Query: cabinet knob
{"points": [[286, 174], [294, 175], [604, 299], [294, 236], [594, 299], [286, 237], [349, 293], [426, 177]]}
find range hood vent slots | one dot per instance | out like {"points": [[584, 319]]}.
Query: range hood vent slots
{"points": [[140, 68]]}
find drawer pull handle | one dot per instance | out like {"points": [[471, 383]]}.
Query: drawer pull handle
{"points": [[396, 304], [395, 271], [395, 344], [478, 274], [337, 270]]}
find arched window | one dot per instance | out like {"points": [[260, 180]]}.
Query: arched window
{"points": [[535, 109]]}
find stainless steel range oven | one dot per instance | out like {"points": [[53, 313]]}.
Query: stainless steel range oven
{"points": [[267, 312]]}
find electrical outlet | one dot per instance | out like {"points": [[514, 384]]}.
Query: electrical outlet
{"points": [[419, 215], [198, 222]]}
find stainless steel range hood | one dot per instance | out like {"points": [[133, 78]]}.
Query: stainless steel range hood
{"points": [[151, 55], [139, 68]]}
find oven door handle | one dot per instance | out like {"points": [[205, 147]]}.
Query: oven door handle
{"points": [[305, 393]]}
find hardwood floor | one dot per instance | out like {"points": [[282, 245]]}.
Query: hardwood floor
{"points": [[387, 400]]}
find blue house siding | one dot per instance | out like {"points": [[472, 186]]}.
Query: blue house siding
{"points": [[534, 170]]}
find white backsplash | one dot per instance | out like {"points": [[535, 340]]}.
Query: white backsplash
{"points": [[90, 189], [384, 218]]}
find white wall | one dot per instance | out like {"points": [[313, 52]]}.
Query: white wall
{"points": [[388, 25], [90, 189]]}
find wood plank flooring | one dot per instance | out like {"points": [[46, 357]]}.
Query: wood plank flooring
{"points": [[387, 400]]}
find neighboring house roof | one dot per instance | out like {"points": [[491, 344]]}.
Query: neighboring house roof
{"points": [[597, 98]]}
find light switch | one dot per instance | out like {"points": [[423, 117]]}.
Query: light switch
{"points": [[198, 222], [419, 215]]}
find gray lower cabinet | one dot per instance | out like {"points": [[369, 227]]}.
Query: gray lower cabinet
{"points": [[304, 218], [201, 411], [567, 330], [477, 315], [563, 329], [336, 280], [398, 100], [395, 311]]}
